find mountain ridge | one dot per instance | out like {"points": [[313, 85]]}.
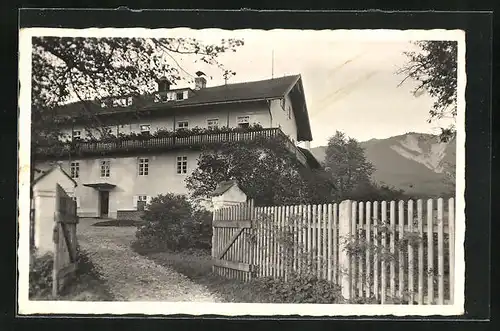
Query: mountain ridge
{"points": [[417, 163]]}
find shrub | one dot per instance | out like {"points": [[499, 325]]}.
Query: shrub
{"points": [[300, 289], [40, 276], [172, 223]]}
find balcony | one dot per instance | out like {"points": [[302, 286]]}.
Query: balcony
{"points": [[152, 144]]}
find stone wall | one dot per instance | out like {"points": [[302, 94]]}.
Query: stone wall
{"points": [[129, 215]]}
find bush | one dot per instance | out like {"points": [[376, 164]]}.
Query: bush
{"points": [[40, 277], [172, 223], [300, 289]]}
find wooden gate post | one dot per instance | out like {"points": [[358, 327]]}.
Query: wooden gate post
{"points": [[345, 216]]}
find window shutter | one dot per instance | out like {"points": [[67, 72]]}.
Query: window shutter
{"points": [[77, 202], [135, 201]]}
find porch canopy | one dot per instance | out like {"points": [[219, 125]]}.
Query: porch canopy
{"points": [[101, 186]]}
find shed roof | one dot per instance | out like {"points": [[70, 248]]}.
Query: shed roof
{"points": [[222, 187], [44, 174]]}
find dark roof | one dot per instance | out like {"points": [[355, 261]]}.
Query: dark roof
{"points": [[99, 186], [222, 187], [230, 93], [311, 159], [49, 171]]}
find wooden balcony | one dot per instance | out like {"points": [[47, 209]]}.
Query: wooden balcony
{"points": [[157, 144]]}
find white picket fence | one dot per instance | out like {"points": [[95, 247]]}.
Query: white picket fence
{"points": [[386, 252]]}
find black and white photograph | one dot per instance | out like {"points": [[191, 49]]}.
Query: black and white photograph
{"points": [[241, 172]]}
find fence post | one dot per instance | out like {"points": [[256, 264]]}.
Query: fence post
{"points": [[345, 215]]}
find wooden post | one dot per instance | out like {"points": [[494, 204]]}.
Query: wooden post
{"points": [[345, 215]]}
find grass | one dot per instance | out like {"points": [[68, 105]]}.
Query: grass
{"points": [[197, 266]]}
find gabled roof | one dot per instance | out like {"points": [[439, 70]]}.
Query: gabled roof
{"points": [[222, 187], [261, 90], [49, 171]]}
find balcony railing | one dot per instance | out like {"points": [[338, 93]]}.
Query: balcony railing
{"points": [[163, 143]]}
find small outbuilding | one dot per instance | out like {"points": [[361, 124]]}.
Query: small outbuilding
{"points": [[43, 205], [228, 193]]}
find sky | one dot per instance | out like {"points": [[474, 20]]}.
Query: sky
{"points": [[350, 84]]}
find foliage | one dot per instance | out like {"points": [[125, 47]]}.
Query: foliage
{"points": [[265, 170], [302, 286], [40, 275], [171, 222], [346, 163], [434, 67], [300, 289], [370, 191]]}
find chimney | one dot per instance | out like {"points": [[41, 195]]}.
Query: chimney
{"points": [[163, 84], [200, 83]]}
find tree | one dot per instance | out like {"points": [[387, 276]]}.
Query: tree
{"points": [[264, 169], [346, 163], [68, 69], [434, 67]]}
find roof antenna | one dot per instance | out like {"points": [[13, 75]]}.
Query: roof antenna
{"points": [[272, 65]]}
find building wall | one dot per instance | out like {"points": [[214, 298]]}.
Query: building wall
{"points": [[226, 114], [283, 116], [162, 178], [44, 196]]}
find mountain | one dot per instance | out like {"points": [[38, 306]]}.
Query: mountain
{"points": [[414, 162]]}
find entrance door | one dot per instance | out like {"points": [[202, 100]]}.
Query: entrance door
{"points": [[104, 202]]}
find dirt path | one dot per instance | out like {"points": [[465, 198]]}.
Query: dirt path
{"points": [[130, 276]]}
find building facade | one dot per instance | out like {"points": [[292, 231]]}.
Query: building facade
{"points": [[116, 177]]}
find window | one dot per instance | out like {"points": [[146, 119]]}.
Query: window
{"points": [[282, 103], [182, 164], [77, 134], [182, 125], [213, 123], [289, 112], [143, 166], [105, 167], [74, 169], [179, 95], [141, 201], [243, 121], [145, 128]]}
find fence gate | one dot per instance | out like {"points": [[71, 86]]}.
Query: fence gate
{"points": [[232, 242], [65, 242]]}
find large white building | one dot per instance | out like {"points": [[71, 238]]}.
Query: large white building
{"points": [[113, 176]]}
